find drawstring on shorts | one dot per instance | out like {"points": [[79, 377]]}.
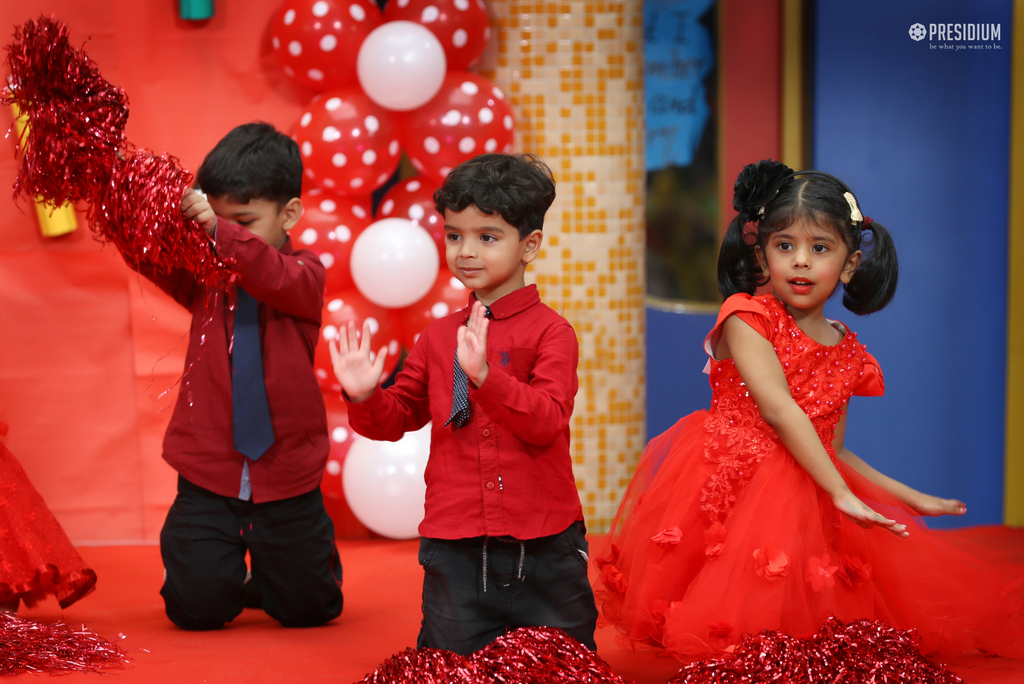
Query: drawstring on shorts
{"points": [[522, 558]]}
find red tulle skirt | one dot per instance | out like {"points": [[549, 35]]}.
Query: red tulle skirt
{"points": [[784, 559], [36, 557]]}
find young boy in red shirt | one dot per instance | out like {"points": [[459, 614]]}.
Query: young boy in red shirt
{"points": [[248, 435], [503, 541]]}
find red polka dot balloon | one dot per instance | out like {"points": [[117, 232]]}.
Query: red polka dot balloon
{"points": [[413, 199], [317, 41], [329, 226], [346, 525], [349, 144], [468, 116], [460, 25], [448, 295], [349, 305]]}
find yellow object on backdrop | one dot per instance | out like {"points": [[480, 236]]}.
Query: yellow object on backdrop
{"points": [[53, 221]]}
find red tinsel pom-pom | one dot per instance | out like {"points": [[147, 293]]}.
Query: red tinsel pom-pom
{"points": [[542, 655], [851, 653], [424, 666], [141, 215], [76, 118], [30, 646]]}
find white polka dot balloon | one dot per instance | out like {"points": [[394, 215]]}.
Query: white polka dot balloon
{"points": [[400, 65], [329, 227], [349, 144], [468, 116], [460, 25], [413, 198], [394, 262], [317, 41], [384, 483]]}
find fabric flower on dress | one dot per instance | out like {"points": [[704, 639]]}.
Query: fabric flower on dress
{"points": [[613, 579], [610, 559], [659, 613], [820, 573], [853, 571], [770, 563], [757, 185], [722, 636], [714, 539], [668, 537]]}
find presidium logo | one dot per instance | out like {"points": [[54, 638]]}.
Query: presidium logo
{"points": [[959, 36]]}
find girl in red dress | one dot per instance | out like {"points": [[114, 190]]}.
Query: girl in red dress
{"points": [[753, 515], [36, 557]]}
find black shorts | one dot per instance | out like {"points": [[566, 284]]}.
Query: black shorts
{"points": [[534, 583]]}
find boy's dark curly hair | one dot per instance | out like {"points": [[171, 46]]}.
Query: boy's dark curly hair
{"points": [[517, 187]]}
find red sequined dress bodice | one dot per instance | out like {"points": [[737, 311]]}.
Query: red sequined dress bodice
{"points": [[721, 532], [821, 379]]}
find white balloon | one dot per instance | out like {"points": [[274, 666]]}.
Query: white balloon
{"points": [[401, 65], [384, 484], [394, 262]]}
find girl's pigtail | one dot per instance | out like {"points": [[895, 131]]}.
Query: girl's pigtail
{"points": [[738, 267], [873, 284]]}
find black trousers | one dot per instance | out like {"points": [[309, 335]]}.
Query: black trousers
{"points": [[295, 564], [535, 583]]}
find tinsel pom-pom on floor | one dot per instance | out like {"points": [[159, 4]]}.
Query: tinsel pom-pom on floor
{"points": [[860, 652], [32, 646]]}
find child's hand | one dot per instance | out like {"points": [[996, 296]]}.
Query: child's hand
{"points": [[357, 373], [926, 504], [195, 207], [862, 514], [472, 349]]}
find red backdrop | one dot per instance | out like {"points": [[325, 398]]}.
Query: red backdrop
{"points": [[91, 353]]}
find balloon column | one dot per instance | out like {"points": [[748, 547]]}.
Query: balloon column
{"points": [[385, 82]]}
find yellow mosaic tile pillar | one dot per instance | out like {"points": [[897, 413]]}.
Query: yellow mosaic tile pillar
{"points": [[573, 73]]}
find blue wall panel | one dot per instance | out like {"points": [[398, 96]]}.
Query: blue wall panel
{"points": [[921, 134]]}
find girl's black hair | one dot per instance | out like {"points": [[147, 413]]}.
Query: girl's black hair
{"points": [[811, 196]]}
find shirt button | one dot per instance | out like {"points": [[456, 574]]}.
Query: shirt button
{"points": [[490, 485], [486, 432]]}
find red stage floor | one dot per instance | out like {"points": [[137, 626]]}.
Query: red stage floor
{"points": [[381, 617]]}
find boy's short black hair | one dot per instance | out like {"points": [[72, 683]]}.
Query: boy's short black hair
{"points": [[517, 187], [253, 161]]}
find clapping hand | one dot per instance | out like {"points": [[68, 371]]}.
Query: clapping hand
{"points": [[358, 373], [472, 349]]}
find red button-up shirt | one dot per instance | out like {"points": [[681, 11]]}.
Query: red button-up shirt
{"points": [[289, 286], [508, 471]]}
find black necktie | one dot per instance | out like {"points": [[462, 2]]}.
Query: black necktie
{"points": [[253, 431], [460, 389]]}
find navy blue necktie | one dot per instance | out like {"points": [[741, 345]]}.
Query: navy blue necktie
{"points": [[460, 389], [252, 429]]}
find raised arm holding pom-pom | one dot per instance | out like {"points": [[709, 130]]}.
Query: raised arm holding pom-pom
{"points": [[356, 369], [196, 207]]}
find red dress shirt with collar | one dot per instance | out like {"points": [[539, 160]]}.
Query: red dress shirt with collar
{"points": [[289, 286], [508, 471]]}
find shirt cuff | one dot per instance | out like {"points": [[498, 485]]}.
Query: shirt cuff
{"points": [[497, 385], [366, 408]]}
